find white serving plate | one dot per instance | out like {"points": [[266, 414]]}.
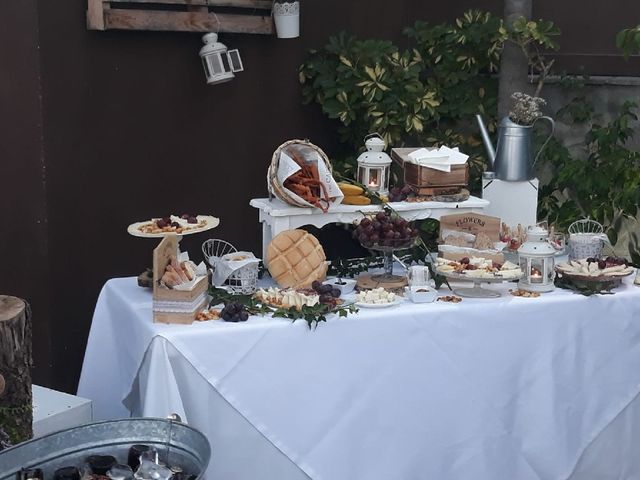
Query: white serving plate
{"points": [[397, 301], [211, 222]]}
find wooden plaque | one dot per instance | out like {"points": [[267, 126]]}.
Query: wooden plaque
{"points": [[474, 223]]}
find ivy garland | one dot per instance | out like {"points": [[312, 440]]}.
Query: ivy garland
{"points": [[312, 315]]}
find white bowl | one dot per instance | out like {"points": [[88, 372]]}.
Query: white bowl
{"points": [[421, 294], [348, 284]]}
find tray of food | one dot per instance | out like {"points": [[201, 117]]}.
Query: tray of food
{"points": [[185, 224], [595, 270], [478, 269]]}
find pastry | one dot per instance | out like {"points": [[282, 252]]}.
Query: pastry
{"points": [[296, 259]]}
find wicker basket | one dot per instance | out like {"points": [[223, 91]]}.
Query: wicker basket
{"points": [[586, 239], [243, 281], [275, 187]]}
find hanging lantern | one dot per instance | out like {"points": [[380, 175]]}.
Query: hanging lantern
{"points": [[219, 63], [374, 165], [536, 256]]}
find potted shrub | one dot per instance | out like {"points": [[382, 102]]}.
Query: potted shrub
{"points": [[286, 15]]}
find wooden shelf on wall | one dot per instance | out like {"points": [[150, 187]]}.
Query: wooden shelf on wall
{"points": [[234, 16]]}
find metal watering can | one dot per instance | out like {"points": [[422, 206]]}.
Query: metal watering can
{"points": [[513, 160]]}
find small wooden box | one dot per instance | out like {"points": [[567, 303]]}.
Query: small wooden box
{"points": [[419, 176], [162, 254]]}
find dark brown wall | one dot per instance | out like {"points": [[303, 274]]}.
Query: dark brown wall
{"points": [[132, 131], [23, 243]]}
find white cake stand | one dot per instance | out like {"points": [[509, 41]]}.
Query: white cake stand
{"points": [[477, 291]]}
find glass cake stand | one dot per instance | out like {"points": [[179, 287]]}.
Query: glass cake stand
{"points": [[388, 252], [477, 291]]}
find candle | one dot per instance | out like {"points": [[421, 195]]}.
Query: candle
{"points": [[536, 275], [373, 183]]}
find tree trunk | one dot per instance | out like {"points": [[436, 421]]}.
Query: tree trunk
{"points": [[513, 63], [16, 415]]}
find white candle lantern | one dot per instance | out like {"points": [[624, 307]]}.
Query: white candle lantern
{"points": [[220, 64], [374, 165], [536, 256]]}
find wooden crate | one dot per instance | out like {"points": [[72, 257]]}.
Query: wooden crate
{"points": [[234, 16], [422, 177], [162, 254]]}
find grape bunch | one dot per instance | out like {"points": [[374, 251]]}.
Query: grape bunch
{"points": [[398, 194], [167, 222], [234, 312], [189, 218], [385, 230], [328, 294], [607, 262]]}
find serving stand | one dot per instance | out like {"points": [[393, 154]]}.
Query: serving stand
{"points": [[476, 291], [276, 216], [386, 279]]}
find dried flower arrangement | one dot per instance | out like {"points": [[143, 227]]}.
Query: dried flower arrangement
{"points": [[526, 109]]}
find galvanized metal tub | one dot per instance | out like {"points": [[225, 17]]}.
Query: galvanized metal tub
{"points": [[177, 444]]}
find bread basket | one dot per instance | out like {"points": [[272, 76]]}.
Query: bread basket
{"points": [[276, 187]]}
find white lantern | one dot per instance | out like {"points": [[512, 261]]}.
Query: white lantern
{"points": [[374, 165], [536, 256], [219, 63]]}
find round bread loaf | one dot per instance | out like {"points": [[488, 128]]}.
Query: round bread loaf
{"points": [[296, 259]]}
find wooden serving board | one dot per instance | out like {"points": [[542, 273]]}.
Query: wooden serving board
{"points": [[368, 282]]}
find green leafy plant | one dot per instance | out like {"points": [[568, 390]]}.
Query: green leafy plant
{"points": [[372, 85], [600, 181], [628, 40]]}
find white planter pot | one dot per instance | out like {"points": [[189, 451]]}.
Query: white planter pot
{"points": [[287, 19]]}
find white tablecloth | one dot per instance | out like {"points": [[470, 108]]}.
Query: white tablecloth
{"points": [[507, 388]]}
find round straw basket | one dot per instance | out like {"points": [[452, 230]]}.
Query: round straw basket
{"points": [[275, 187]]}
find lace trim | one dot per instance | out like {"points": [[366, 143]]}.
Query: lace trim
{"points": [[289, 8]]}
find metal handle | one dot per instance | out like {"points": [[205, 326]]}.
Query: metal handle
{"points": [[553, 129], [488, 145], [373, 135], [174, 417]]}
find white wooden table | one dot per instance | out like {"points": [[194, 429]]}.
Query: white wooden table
{"points": [[277, 216]]}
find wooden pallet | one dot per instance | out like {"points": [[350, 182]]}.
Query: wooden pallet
{"points": [[234, 16]]}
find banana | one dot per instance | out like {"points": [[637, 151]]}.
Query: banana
{"points": [[350, 190], [356, 200]]}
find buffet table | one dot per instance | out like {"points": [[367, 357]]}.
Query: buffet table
{"points": [[277, 216], [508, 388]]}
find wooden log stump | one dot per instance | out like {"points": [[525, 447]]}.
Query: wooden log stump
{"points": [[16, 415]]}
